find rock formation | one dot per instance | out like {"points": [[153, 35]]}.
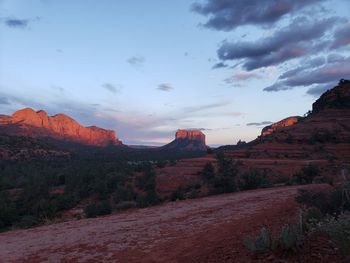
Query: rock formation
{"points": [[277, 125], [192, 140], [336, 98], [38, 124], [322, 135]]}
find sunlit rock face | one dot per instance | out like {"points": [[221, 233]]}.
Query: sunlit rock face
{"points": [[193, 135], [277, 125], [192, 140], [32, 123]]}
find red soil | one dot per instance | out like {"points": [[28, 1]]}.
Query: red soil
{"points": [[209, 229]]}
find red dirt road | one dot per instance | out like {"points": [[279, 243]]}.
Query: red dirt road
{"points": [[208, 229]]}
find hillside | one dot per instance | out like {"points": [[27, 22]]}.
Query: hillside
{"points": [[322, 137]]}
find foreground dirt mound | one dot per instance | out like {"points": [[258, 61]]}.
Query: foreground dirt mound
{"points": [[202, 230]]}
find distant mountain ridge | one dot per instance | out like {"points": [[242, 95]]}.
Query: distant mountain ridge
{"points": [[38, 124]]}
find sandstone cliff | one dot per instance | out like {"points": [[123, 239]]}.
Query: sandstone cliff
{"points": [[38, 124], [191, 140], [277, 125]]}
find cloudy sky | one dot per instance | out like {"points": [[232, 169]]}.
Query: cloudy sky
{"points": [[147, 68]]}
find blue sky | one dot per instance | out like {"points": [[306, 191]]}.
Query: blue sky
{"points": [[145, 68]]}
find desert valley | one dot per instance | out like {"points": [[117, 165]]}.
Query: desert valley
{"points": [[201, 131], [181, 202]]}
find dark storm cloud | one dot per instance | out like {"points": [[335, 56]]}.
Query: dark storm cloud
{"points": [[165, 87], [110, 87], [292, 41], [227, 14], [220, 65], [16, 23], [263, 123]]}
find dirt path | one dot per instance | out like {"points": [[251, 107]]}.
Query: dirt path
{"points": [[200, 230]]}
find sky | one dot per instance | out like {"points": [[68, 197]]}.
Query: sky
{"points": [[147, 68]]}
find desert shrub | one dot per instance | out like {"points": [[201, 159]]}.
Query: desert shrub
{"points": [[281, 180], [261, 244], [7, 211], [253, 179], [289, 240], [306, 175], [98, 209], [331, 202], [311, 198], [310, 218], [338, 230], [150, 198], [208, 172], [125, 205], [177, 195], [123, 193], [173, 162], [161, 163], [28, 221]]}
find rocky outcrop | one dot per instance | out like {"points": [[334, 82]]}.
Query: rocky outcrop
{"points": [[27, 122], [278, 125], [191, 140], [336, 98]]}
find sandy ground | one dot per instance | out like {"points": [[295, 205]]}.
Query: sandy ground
{"points": [[208, 229]]}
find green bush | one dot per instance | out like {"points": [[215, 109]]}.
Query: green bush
{"points": [[306, 175], [261, 244], [98, 209], [289, 240], [208, 172], [328, 202], [338, 230], [125, 205], [253, 179]]}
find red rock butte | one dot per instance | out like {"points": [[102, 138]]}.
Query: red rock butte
{"points": [[193, 135], [27, 122], [189, 140]]}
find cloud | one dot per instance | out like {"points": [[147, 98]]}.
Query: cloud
{"points": [[198, 108], [305, 64], [263, 123], [110, 87], [165, 87], [245, 75], [4, 101], [220, 65], [17, 23], [342, 36], [227, 15], [319, 89], [325, 74], [292, 41], [136, 60]]}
